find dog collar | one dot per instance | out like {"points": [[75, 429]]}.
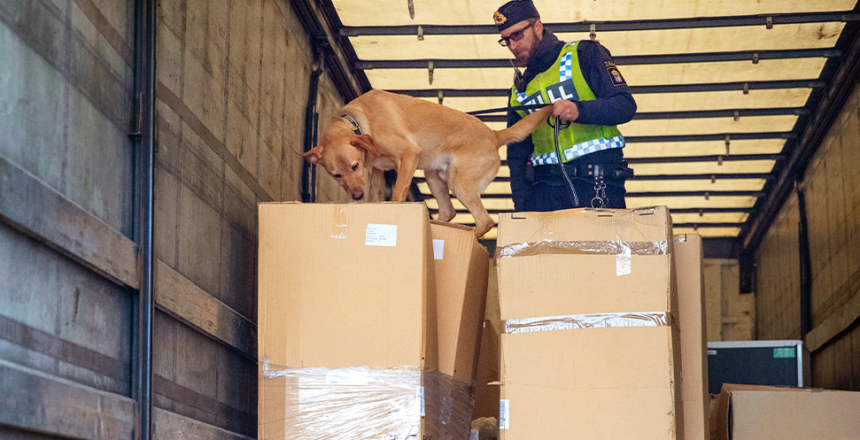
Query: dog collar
{"points": [[356, 129]]}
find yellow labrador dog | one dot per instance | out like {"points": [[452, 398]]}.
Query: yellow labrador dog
{"points": [[385, 131]]}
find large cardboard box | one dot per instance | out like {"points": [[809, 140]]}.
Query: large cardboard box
{"points": [[487, 390], [752, 412], [462, 266], [590, 346], [689, 271], [346, 321]]}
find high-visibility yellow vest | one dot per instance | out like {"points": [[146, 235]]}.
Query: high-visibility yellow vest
{"points": [[564, 80]]}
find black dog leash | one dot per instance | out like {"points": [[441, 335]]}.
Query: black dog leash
{"points": [[507, 109], [575, 198]]}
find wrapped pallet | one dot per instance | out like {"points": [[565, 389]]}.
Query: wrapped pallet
{"points": [[347, 325], [590, 345]]}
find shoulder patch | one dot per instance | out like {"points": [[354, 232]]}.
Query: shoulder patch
{"points": [[614, 74]]}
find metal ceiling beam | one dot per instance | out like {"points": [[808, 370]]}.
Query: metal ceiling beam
{"points": [[710, 158], [637, 90], [613, 26], [680, 58], [323, 27], [740, 113], [710, 137], [844, 80], [711, 176], [675, 225], [705, 194], [708, 225], [696, 159], [673, 211], [659, 194]]}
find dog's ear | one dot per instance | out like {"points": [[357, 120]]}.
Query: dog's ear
{"points": [[314, 155], [365, 142]]}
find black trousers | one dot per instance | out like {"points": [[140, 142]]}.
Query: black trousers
{"points": [[554, 195]]}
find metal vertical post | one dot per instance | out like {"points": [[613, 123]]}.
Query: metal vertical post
{"points": [[311, 120], [805, 266], [146, 22]]}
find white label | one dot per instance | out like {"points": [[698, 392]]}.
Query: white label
{"points": [[381, 235], [447, 409], [421, 401], [504, 412], [712, 352], [474, 435], [346, 377], [622, 263], [438, 249]]}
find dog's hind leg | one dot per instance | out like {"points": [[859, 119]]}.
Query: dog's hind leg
{"points": [[439, 188], [466, 189]]}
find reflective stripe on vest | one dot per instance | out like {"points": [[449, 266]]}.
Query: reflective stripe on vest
{"points": [[577, 139], [580, 150]]}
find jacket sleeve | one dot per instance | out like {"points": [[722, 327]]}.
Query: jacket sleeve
{"points": [[614, 104], [518, 154]]}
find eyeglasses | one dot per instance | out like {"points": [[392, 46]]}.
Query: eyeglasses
{"points": [[516, 36]]}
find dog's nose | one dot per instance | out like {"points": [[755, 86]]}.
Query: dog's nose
{"points": [[357, 194]]}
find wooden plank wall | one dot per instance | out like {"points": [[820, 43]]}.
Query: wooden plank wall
{"points": [[729, 315], [832, 189], [232, 88]]}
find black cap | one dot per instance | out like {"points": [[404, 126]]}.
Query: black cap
{"points": [[514, 12]]}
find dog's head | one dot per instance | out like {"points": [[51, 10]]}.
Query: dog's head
{"points": [[344, 155]]}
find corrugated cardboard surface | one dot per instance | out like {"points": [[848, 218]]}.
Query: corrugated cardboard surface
{"points": [[592, 383], [644, 224], [487, 396], [331, 296], [748, 412], [691, 318], [600, 383], [461, 292], [327, 299]]}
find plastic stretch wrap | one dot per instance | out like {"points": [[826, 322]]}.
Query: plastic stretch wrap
{"points": [[595, 320], [364, 403], [614, 247]]}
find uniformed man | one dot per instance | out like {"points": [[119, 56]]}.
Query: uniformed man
{"points": [[589, 93]]}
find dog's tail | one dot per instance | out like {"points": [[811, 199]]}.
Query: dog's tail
{"points": [[523, 128]]}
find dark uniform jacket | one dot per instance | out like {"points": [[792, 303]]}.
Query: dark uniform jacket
{"points": [[614, 104]]}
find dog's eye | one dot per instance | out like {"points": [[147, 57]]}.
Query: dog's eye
{"points": [[355, 167], [336, 176]]}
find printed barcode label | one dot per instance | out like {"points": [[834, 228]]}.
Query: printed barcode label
{"points": [[381, 235], [438, 249], [504, 414], [421, 401], [622, 262]]}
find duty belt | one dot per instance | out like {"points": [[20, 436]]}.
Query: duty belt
{"points": [[584, 170]]}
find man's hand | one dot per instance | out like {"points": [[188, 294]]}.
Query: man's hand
{"points": [[566, 110]]}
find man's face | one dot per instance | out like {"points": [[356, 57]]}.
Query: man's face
{"points": [[522, 39]]}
